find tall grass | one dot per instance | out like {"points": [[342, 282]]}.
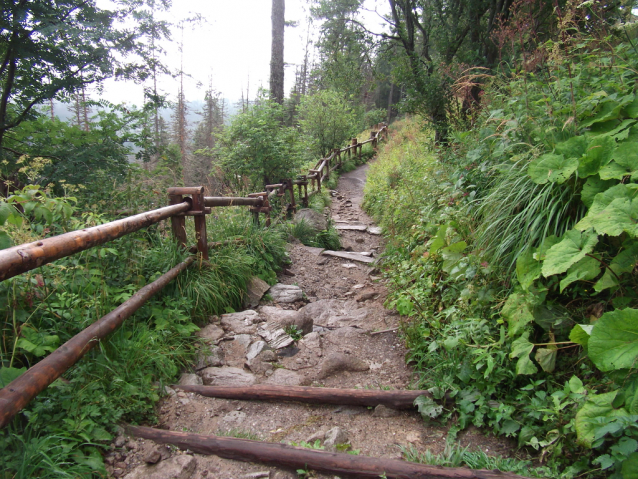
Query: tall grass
{"points": [[517, 213]]}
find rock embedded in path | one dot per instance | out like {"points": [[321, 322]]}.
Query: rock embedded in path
{"points": [[227, 376], [254, 349], [316, 220], [210, 333], [337, 362], [178, 467], [190, 380], [235, 351], [284, 377], [374, 230], [285, 293], [335, 436], [384, 411], [276, 338], [255, 290], [213, 359], [283, 318], [244, 322]]}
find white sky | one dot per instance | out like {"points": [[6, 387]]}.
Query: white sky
{"points": [[232, 47]]}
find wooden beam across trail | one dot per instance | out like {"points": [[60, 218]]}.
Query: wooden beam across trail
{"points": [[333, 463], [343, 397]]}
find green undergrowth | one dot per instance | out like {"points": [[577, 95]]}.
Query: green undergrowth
{"points": [[63, 432], [457, 456], [512, 258]]}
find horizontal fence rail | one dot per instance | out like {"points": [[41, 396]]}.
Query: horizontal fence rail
{"points": [[23, 389], [184, 201], [25, 257]]}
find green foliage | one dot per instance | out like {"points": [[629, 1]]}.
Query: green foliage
{"points": [[63, 430], [328, 239], [292, 331], [256, 146], [513, 258], [327, 120], [457, 456]]}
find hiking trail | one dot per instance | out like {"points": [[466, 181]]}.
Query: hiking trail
{"points": [[350, 342]]}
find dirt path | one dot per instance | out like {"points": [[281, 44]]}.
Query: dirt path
{"points": [[342, 305]]}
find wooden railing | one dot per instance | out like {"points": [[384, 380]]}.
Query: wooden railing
{"points": [[184, 201]]}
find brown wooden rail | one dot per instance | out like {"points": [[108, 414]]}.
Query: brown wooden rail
{"points": [[184, 201], [332, 463]]}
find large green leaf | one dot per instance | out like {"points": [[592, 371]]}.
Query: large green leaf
{"points": [[599, 153], [621, 215], [580, 334], [546, 357], [5, 240], [613, 343], [587, 418], [586, 269], [575, 147], [603, 200], [573, 247], [592, 187], [625, 163], [624, 262], [517, 313], [521, 349], [528, 269], [5, 211], [631, 110], [630, 467], [552, 168], [609, 109]]}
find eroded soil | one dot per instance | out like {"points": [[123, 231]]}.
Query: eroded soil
{"points": [[353, 344]]}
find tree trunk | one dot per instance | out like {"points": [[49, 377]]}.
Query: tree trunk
{"points": [[277, 52]]}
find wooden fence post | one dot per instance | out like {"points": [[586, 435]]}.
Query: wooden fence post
{"points": [[178, 223], [200, 223]]}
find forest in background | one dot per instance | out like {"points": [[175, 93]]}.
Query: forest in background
{"points": [[507, 193]]}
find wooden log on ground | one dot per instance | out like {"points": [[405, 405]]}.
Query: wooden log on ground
{"points": [[281, 455], [343, 397]]}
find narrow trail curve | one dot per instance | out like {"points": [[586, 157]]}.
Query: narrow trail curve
{"points": [[344, 300]]}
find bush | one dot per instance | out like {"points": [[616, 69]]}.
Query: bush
{"points": [[327, 120]]}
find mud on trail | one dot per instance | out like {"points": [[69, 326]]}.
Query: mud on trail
{"points": [[337, 303]]}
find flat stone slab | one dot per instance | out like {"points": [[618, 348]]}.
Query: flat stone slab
{"points": [[351, 227], [276, 338], [350, 256], [226, 376], [285, 293], [374, 230]]}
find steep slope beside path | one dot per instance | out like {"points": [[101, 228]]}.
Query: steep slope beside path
{"points": [[343, 304]]}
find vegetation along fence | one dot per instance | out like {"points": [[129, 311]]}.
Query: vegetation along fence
{"points": [[184, 201]]}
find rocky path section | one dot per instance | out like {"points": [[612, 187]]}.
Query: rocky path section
{"points": [[324, 325]]}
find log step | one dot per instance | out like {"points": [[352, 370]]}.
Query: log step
{"points": [[305, 394], [282, 455]]}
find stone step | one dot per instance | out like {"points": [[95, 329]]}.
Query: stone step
{"points": [[351, 227], [350, 256]]}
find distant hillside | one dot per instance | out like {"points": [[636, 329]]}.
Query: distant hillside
{"points": [[63, 111]]}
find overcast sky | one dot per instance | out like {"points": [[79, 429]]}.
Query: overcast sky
{"points": [[231, 47]]}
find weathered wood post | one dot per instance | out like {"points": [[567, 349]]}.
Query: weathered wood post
{"points": [[353, 145], [199, 212], [178, 223]]}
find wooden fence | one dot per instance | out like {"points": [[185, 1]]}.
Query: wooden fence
{"points": [[183, 202]]}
